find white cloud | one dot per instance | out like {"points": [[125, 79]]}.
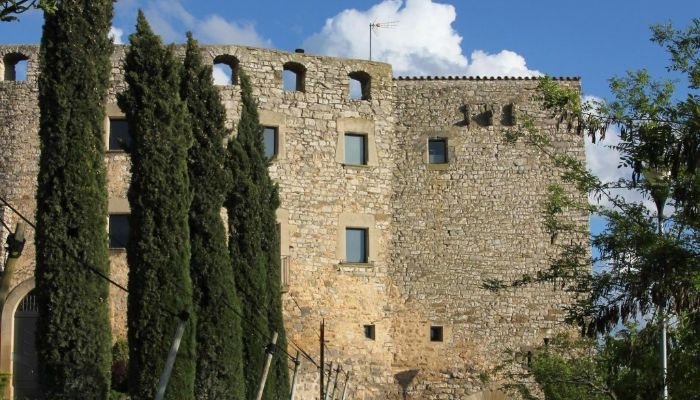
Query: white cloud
{"points": [[422, 42], [170, 20], [116, 35], [221, 77]]}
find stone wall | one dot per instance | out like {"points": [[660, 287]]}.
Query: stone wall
{"points": [[436, 232]]}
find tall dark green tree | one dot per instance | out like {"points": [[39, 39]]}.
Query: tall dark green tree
{"points": [[73, 332], [219, 342], [158, 251], [254, 246]]}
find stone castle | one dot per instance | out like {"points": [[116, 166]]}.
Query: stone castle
{"points": [[397, 203]]}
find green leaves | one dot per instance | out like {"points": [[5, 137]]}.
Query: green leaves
{"points": [[71, 235], [220, 365], [160, 197]]}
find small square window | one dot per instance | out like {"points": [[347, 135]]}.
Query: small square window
{"points": [[356, 245], [271, 141], [355, 148], [436, 334], [437, 151], [118, 231], [369, 332], [119, 135]]}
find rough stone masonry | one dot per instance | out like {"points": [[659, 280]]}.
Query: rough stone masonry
{"points": [[433, 232]]}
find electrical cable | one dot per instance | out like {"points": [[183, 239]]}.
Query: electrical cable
{"points": [[178, 315]]}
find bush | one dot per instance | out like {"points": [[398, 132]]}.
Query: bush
{"points": [[120, 368]]}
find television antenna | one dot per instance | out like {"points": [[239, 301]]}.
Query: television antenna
{"points": [[374, 27]]}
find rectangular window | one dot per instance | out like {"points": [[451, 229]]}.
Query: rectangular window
{"points": [[118, 231], [355, 148], [119, 135], [270, 138], [437, 151], [369, 332], [436, 334], [356, 245]]}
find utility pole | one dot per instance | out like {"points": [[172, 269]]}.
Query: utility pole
{"points": [[345, 385], [335, 382], [328, 385], [270, 350], [323, 366], [165, 376], [297, 363]]}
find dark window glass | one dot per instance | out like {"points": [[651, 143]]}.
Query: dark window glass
{"points": [[436, 334], [119, 135], [270, 141], [355, 149], [356, 245], [437, 151], [369, 332], [118, 231]]}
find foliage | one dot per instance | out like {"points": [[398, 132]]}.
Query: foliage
{"points": [[219, 337], [158, 251], [73, 330], [5, 379], [649, 256], [254, 247], [9, 9], [647, 259], [120, 366]]}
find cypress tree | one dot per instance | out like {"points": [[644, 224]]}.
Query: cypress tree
{"points": [[73, 331], [254, 246], [219, 347], [158, 251]]}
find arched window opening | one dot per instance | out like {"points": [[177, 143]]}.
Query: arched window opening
{"points": [[293, 77], [15, 67], [225, 70], [360, 84]]}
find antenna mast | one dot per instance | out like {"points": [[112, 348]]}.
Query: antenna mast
{"points": [[373, 26]]}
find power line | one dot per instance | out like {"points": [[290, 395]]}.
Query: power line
{"points": [[177, 315]]}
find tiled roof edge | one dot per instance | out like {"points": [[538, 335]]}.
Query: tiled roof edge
{"points": [[483, 78]]}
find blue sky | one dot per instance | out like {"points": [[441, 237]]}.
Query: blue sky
{"points": [[593, 39]]}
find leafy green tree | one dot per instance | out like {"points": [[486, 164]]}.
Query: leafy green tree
{"points": [[219, 337], [158, 251], [9, 9], [73, 331], [648, 256], [254, 247]]}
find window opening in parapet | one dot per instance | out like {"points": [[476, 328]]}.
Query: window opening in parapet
{"points": [[225, 70], [118, 231], [270, 141], [119, 134], [16, 65], [360, 84], [436, 334], [293, 77]]}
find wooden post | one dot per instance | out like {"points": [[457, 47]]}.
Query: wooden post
{"points": [[335, 382], [323, 366], [165, 376], [345, 386], [270, 350], [15, 245], [297, 363], [328, 385]]}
